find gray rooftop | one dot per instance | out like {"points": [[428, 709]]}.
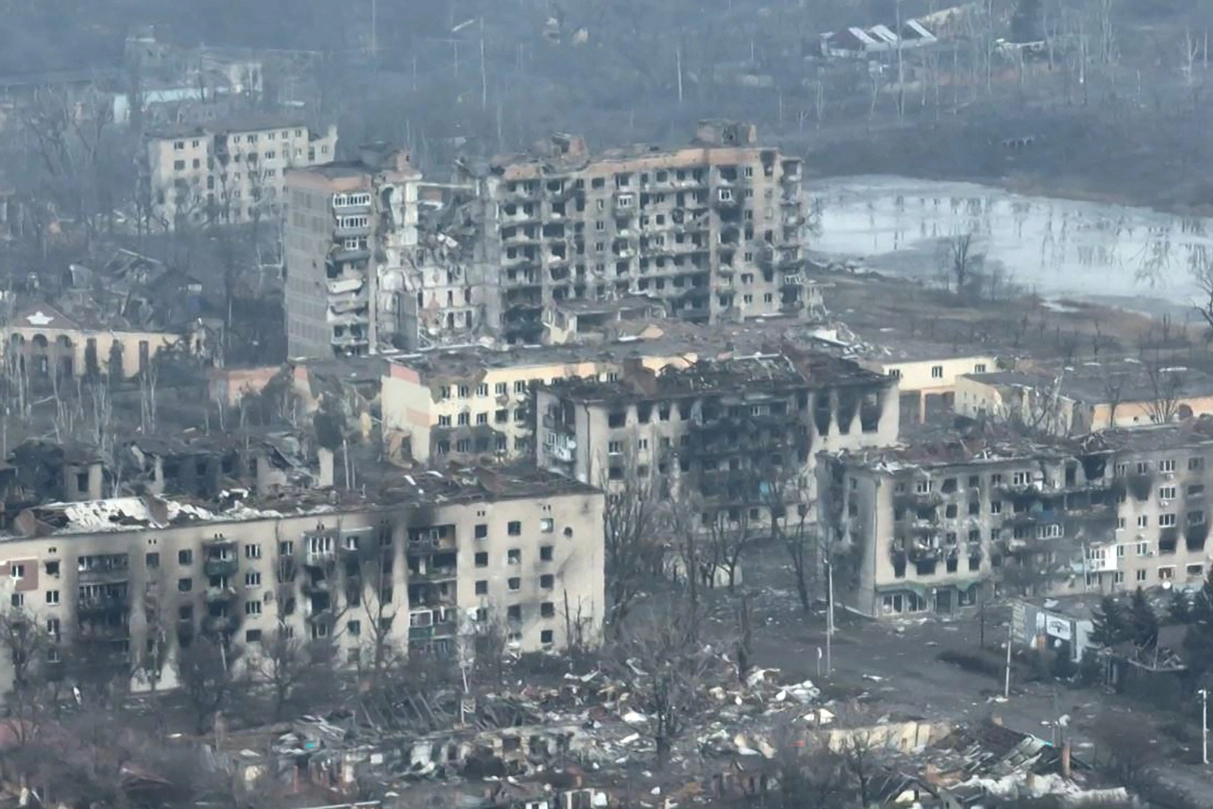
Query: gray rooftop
{"points": [[1100, 382]]}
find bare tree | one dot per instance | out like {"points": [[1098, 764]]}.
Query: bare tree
{"points": [[208, 682], [1113, 388], [811, 775], [961, 261], [666, 665], [788, 503], [295, 671], [30, 648], [370, 594], [1201, 270], [727, 542], [1167, 386], [630, 520], [491, 641]]}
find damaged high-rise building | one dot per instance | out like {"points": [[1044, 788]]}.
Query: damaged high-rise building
{"points": [[372, 261], [715, 229], [376, 258]]}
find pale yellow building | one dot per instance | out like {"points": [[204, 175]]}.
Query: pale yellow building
{"points": [[46, 342], [460, 553], [936, 526], [231, 171], [923, 371], [1085, 397], [476, 403]]}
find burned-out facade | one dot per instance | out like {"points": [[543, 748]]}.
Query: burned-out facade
{"points": [[716, 229], [475, 404], [933, 527], [348, 227], [739, 435], [137, 577]]}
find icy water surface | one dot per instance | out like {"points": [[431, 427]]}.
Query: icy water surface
{"points": [[1057, 247]]}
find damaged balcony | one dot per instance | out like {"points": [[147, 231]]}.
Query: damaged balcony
{"points": [[427, 567], [94, 599], [220, 622], [432, 594], [321, 550], [221, 563], [102, 568], [430, 624], [342, 231], [111, 627], [315, 582], [220, 591], [320, 609], [431, 538]]}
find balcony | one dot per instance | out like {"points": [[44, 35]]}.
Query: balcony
{"points": [[219, 566], [432, 574], [99, 575], [344, 231], [220, 624], [351, 253], [106, 603], [348, 209], [324, 616], [321, 558], [561, 453], [220, 595], [446, 629]]}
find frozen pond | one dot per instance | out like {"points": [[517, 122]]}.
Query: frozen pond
{"points": [[1054, 246]]}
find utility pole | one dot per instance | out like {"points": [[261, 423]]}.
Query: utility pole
{"points": [[678, 56], [1204, 725], [1006, 686], [829, 616], [374, 28], [484, 84], [981, 612]]}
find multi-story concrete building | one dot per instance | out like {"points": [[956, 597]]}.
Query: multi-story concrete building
{"points": [[135, 577], [1078, 398], [730, 431], [928, 527], [715, 229], [231, 171], [476, 403], [347, 226], [46, 342]]}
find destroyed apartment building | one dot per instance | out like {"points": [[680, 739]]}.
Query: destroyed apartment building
{"points": [[741, 433], [435, 557], [715, 230], [370, 262], [926, 528], [375, 257], [475, 403]]}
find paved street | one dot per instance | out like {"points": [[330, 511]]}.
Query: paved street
{"points": [[897, 664]]}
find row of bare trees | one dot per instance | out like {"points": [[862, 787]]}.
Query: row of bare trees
{"points": [[651, 536]]}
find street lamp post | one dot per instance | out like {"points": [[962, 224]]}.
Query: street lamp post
{"points": [[1204, 725], [829, 616]]}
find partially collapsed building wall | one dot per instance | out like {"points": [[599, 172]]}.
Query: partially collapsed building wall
{"points": [[715, 229]]}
